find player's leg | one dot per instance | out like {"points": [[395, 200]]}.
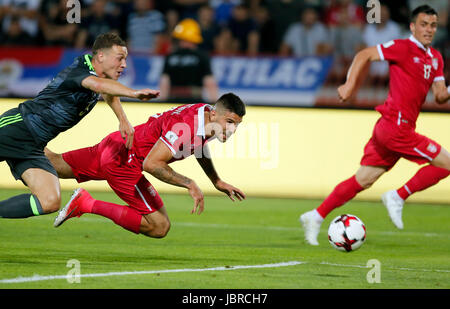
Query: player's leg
{"points": [[442, 160], [155, 224], [419, 149], [45, 196], [45, 186], [342, 193], [375, 162], [425, 177], [27, 163], [62, 167], [143, 213]]}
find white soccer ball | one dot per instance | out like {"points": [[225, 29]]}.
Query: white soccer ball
{"points": [[346, 233]]}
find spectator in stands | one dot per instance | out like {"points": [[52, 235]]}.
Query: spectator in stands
{"points": [[189, 8], [244, 29], [400, 12], [210, 29], [187, 70], [354, 13], [379, 33], [97, 22], [346, 39], [165, 43], [53, 22], [225, 44], [16, 36], [223, 9], [22, 16], [267, 32], [284, 13], [308, 37], [145, 27]]}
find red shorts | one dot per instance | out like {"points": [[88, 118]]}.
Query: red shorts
{"points": [[110, 160], [390, 142]]}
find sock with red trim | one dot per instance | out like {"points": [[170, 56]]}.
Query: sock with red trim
{"points": [[424, 178], [341, 194]]}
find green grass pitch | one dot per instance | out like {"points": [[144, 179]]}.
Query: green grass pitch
{"points": [[252, 233]]}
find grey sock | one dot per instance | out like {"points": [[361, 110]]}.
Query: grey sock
{"points": [[21, 206]]}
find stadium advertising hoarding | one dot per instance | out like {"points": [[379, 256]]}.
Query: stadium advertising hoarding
{"points": [[258, 80]]}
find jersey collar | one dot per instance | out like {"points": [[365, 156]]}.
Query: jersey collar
{"points": [[87, 61], [420, 45], [201, 120]]}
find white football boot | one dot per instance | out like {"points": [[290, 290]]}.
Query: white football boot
{"points": [[311, 222], [394, 205]]}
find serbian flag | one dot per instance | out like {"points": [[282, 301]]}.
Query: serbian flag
{"points": [[25, 71]]}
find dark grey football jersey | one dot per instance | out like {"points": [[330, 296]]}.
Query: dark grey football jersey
{"points": [[62, 104]]}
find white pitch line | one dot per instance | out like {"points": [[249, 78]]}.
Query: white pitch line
{"points": [[393, 268], [259, 227], [124, 273], [222, 268], [286, 228]]}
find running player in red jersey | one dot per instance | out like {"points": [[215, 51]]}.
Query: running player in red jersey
{"points": [[163, 139], [414, 68]]}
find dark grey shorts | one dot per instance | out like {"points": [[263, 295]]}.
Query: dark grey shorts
{"points": [[18, 147]]}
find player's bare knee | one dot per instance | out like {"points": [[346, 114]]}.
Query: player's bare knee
{"points": [[50, 203], [366, 184], [163, 229], [156, 230]]}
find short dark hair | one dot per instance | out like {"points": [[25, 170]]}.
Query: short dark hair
{"points": [[106, 40], [232, 103], [422, 9]]}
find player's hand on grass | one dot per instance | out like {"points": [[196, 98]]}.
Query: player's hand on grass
{"points": [[229, 190], [197, 195], [127, 132], [146, 94]]}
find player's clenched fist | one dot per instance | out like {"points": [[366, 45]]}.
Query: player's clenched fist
{"points": [[344, 92]]}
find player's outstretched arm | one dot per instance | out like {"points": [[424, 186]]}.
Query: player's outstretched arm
{"points": [[207, 165], [357, 72], [441, 92], [156, 163], [125, 127], [114, 88]]}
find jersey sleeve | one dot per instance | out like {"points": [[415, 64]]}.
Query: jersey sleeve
{"points": [[440, 68], [177, 135], [392, 51]]}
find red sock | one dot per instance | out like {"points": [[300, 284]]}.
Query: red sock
{"points": [[126, 217], [341, 194], [424, 178]]}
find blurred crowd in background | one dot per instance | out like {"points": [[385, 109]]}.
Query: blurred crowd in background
{"points": [[229, 27]]}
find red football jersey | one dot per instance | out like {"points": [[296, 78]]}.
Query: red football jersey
{"points": [[182, 129], [413, 69]]}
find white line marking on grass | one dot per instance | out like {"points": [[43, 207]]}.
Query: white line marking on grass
{"points": [[393, 268], [287, 228], [149, 272], [97, 219]]}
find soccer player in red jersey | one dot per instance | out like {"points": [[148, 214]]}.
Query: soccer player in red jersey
{"points": [[163, 139], [414, 68]]}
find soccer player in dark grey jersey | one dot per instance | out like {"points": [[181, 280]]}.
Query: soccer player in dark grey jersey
{"points": [[26, 130]]}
